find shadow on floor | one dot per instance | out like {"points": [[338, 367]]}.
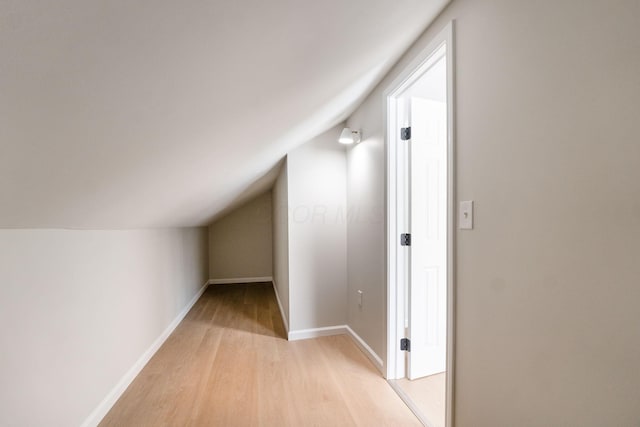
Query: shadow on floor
{"points": [[248, 307]]}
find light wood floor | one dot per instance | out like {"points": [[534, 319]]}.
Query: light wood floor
{"points": [[429, 395], [228, 364]]}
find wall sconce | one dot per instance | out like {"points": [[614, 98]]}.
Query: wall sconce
{"points": [[348, 136]]}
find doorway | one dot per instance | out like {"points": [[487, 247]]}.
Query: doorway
{"points": [[420, 206]]}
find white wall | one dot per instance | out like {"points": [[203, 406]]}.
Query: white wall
{"points": [[78, 308], [240, 243], [281, 241], [317, 233], [548, 323]]}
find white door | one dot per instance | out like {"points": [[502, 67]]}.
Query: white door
{"points": [[428, 224]]}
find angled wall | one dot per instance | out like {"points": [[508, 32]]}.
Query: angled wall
{"points": [[78, 311]]}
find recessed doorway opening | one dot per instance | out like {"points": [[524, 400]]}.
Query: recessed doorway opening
{"points": [[420, 206]]}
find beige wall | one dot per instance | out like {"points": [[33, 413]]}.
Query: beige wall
{"points": [[548, 322], [317, 233], [240, 243], [366, 237], [79, 308], [281, 240]]}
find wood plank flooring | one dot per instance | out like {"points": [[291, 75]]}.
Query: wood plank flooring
{"points": [[429, 395], [228, 364]]}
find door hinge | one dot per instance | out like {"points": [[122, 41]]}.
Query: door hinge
{"points": [[405, 344], [405, 239], [405, 133]]}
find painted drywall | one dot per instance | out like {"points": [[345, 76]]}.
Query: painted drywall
{"points": [[240, 243], [366, 239], [189, 104], [280, 217], [548, 325], [79, 308], [317, 233]]}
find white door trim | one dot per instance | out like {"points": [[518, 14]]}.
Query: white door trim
{"points": [[395, 367]]}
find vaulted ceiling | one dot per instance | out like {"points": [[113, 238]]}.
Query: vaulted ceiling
{"points": [[126, 114]]}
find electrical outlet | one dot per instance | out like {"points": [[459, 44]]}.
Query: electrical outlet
{"points": [[360, 298]]}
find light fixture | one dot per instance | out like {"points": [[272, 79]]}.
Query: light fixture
{"points": [[348, 136]]}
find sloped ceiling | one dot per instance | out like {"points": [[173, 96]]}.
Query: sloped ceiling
{"points": [[127, 114]]}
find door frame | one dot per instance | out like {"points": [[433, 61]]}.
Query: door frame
{"points": [[395, 364]]}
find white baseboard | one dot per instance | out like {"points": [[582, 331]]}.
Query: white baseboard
{"points": [[103, 408], [410, 403], [239, 280], [368, 351], [303, 334], [284, 318]]}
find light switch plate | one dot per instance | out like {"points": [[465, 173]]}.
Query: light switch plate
{"points": [[465, 217]]}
